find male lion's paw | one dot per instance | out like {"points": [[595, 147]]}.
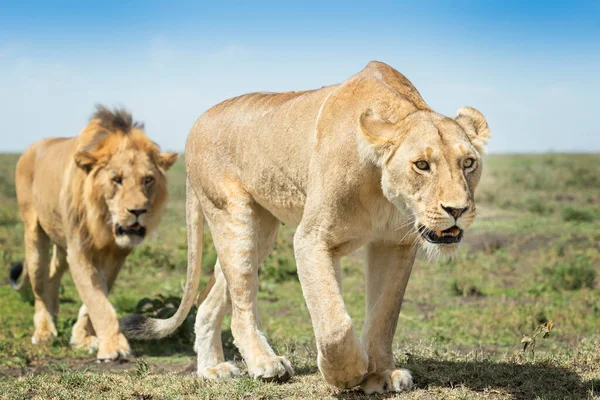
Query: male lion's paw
{"points": [[88, 342], [43, 336], [219, 371], [113, 349], [398, 380], [276, 368], [347, 374], [45, 330]]}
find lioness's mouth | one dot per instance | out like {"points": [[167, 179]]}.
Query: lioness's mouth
{"points": [[133, 230], [447, 236]]}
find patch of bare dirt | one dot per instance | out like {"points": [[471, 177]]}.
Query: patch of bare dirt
{"points": [[487, 242], [56, 366]]}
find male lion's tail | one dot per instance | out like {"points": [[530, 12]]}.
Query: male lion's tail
{"points": [[17, 276], [140, 327]]}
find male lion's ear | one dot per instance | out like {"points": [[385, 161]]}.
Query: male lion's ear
{"points": [[166, 160], [85, 160], [378, 135], [475, 125]]}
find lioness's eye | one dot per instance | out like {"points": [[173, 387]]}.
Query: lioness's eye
{"points": [[117, 179], [422, 165], [468, 163], [148, 180]]}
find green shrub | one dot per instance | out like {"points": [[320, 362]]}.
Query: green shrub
{"points": [[573, 276], [9, 216], [577, 215], [466, 288], [280, 266], [538, 206], [158, 257]]}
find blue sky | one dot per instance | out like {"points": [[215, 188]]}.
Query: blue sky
{"points": [[531, 67]]}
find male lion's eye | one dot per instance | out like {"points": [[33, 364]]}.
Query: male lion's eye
{"points": [[148, 180], [422, 165], [468, 163], [118, 180]]}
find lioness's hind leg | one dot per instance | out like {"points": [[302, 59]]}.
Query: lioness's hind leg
{"points": [[208, 344], [211, 361], [236, 234]]}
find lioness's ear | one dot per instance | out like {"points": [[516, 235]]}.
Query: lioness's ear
{"points": [[166, 160], [378, 135], [85, 160], [475, 125]]}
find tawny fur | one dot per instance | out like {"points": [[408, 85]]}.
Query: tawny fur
{"points": [[338, 163], [72, 193]]}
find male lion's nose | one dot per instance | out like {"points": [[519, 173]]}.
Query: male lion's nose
{"points": [[455, 212], [137, 212]]}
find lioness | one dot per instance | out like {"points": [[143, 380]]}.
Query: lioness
{"points": [[362, 163], [94, 197]]}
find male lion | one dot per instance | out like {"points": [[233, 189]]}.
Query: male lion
{"points": [[94, 196], [362, 163]]}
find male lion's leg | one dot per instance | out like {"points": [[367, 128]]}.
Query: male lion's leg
{"points": [[37, 246], [93, 288], [58, 266], [83, 335], [388, 268], [235, 231], [210, 313], [341, 357]]}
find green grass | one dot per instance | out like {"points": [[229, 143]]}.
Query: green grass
{"points": [[532, 256]]}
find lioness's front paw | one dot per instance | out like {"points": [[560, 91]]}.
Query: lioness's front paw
{"points": [[345, 375], [272, 369], [113, 348], [398, 380], [219, 371]]}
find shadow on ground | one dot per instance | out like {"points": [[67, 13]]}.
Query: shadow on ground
{"points": [[521, 381]]}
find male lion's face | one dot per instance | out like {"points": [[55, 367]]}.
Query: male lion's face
{"points": [[134, 190], [132, 184], [432, 170]]}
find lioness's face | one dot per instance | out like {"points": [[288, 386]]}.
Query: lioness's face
{"points": [[433, 170]]}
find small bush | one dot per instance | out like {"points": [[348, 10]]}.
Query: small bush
{"points": [[163, 307], [577, 215], [9, 216], [280, 266], [465, 288], [574, 276], [538, 206], [155, 256]]}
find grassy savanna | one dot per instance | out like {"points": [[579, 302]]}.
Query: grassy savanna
{"points": [[532, 256]]}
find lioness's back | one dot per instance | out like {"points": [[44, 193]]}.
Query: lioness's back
{"points": [[244, 137]]}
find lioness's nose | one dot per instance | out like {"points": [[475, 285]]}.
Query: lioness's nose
{"points": [[455, 212], [137, 212]]}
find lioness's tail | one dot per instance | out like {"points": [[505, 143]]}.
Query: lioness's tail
{"points": [[18, 270], [140, 327]]}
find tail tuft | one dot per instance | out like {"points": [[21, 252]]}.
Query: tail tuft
{"points": [[15, 272], [137, 327]]}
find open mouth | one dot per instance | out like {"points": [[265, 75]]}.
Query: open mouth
{"points": [[133, 230], [447, 236]]}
